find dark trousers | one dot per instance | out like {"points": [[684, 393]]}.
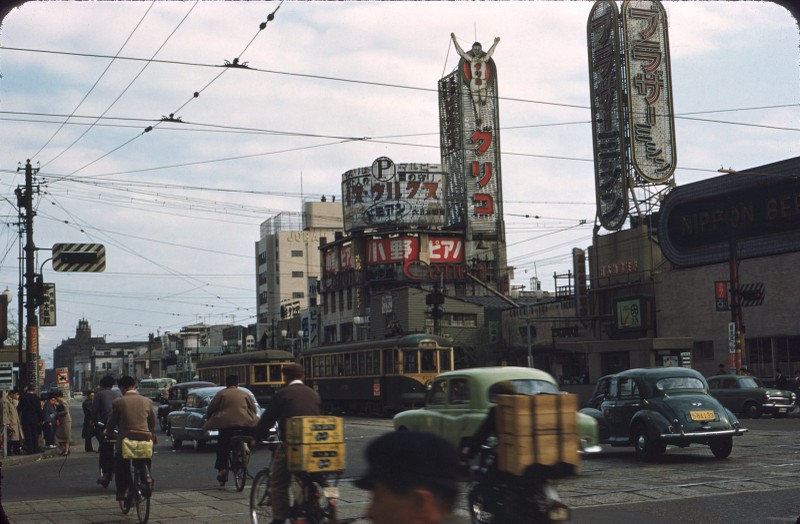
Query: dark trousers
{"points": [[224, 443], [31, 432], [122, 469], [106, 455]]}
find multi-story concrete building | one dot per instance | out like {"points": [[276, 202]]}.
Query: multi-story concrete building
{"points": [[288, 267]]}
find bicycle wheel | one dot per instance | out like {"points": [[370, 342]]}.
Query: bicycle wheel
{"points": [[239, 458], [141, 496], [260, 503], [320, 508], [125, 504]]}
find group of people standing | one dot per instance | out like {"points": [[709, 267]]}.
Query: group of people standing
{"points": [[36, 422]]}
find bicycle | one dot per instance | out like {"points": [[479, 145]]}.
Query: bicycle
{"points": [[139, 492], [312, 498], [238, 458]]}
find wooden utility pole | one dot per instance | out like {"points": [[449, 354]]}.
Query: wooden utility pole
{"points": [[29, 368]]}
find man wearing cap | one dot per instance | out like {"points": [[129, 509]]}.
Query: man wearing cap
{"points": [[293, 400], [413, 477]]}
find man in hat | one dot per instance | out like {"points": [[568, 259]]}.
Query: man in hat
{"points": [[32, 418], [413, 477]]}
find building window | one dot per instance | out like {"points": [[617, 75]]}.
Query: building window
{"points": [[297, 253], [349, 298], [341, 300], [332, 295], [703, 350], [298, 294], [297, 274]]}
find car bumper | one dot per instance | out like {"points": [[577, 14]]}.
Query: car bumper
{"points": [[701, 435]]}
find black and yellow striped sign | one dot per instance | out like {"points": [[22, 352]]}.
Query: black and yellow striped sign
{"points": [[85, 258]]}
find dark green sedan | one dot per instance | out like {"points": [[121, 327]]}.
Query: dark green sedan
{"points": [[747, 395]]}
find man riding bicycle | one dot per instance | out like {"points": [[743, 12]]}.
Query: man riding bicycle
{"points": [[231, 411], [101, 406], [132, 414], [293, 400]]}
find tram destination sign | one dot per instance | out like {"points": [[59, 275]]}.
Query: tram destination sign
{"points": [[759, 212]]}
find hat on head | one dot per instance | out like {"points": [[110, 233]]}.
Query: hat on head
{"points": [[404, 459]]}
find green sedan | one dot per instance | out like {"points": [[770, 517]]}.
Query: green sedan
{"points": [[457, 403]]}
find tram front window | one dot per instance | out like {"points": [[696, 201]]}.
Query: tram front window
{"points": [[428, 362], [410, 361]]}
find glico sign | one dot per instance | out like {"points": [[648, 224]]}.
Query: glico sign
{"points": [[650, 114], [760, 213]]}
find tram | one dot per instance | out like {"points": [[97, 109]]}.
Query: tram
{"points": [[258, 371], [377, 377]]}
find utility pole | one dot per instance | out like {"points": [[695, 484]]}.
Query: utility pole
{"points": [[25, 202]]}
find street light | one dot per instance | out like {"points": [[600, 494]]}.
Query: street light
{"points": [[285, 333]]}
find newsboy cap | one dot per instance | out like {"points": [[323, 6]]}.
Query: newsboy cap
{"points": [[404, 459]]}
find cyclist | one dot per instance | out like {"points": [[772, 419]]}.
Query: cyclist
{"points": [[413, 477], [231, 411], [295, 399], [101, 406], [131, 413]]}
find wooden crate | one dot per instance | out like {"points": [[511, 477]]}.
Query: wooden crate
{"points": [[314, 430], [315, 457], [517, 452], [529, 414]]}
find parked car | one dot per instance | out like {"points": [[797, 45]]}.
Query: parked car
{"points": [[457, 403], [748, 395], [650, 408], [187, 423], [177, 397]]}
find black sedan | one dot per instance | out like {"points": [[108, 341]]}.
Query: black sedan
{"points": [[187, 422], [650, 408], [177, 397], [748, 395]]}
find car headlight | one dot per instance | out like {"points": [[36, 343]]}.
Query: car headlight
{"points": [[213, 433]]}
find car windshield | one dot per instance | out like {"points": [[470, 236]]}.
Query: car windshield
{"points": [[528, 387], [750, 382], [680, 383]]}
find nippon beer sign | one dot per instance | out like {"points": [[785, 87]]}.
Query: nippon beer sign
{"points": [[386, 194], [649, 86], [611, 187], [402, 249]]}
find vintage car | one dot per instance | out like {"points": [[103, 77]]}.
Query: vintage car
{"points": [[457, 403], [187, 422], [177, 396], [650, 408], [748, 395]]}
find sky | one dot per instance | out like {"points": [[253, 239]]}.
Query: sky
{"points": [[329, 87]]}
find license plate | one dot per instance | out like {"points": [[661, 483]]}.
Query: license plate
{"points": [[330, 492], [706, 414], [782, 410]]}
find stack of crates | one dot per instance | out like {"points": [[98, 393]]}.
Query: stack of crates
{"points": [[537, 429], [315, 444]]}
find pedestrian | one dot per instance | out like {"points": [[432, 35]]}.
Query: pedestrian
{"points": [[63, 433], [31, 418], [13, 424], [49, 426], [88, 429], [295, 399], [130, 413], [231, 410], [780, 380], [102, 409], [722, 370], [413, 477]]}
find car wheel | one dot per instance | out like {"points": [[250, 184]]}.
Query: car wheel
{"points": [[722, 447], [176, 442], [752, 410], [644, 446]]}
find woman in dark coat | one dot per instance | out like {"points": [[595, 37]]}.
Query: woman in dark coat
{"points": [[88, 430]]}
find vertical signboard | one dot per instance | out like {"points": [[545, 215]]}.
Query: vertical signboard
{"points": [[611, 182], [581, 289], [469, 125], [47, 309], [649, 86]]}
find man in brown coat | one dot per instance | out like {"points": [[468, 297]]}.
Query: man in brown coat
{"points": [[130, 413], [293, 400], [231, 411]]}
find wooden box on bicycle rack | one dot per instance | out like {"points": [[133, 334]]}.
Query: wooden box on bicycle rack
{"points": [[313, 458], [314, 430]]}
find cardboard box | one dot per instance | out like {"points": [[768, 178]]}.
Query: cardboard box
{"points": [[529, 414], [315, 457], [314, 430]]}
